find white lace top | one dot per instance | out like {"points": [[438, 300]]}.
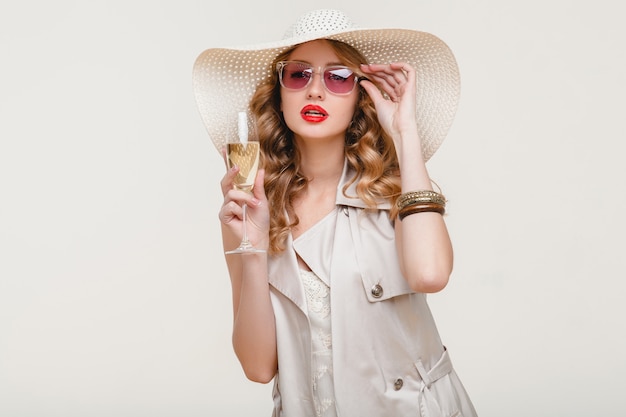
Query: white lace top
{"points": [[318, 304]]}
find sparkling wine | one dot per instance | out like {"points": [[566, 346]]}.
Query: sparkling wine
{"points": [[246, 157]]}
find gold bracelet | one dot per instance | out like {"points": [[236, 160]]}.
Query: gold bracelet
{"points": [[421, 200], [423, 196], [421, 208]]}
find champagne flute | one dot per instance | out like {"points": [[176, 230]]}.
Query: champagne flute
{"points": [[244, 153]]}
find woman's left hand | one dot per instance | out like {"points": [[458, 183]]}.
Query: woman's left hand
{"points": [[392, 88]]}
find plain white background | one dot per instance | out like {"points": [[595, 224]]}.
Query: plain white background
{"points": [[114, 300]]}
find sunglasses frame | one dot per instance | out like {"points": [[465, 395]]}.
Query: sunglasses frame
{"points": [[320, 70]]}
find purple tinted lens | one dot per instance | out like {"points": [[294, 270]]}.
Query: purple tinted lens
{"points": [[339, 80], [296, 76]]}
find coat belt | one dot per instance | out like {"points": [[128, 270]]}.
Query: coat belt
{"points": [[429, 407]]}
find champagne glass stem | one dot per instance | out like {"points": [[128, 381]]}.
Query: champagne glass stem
{"points": [[245, 243], [245, 246]]}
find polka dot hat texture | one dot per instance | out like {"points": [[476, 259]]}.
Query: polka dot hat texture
{"points": [[224, 79]]}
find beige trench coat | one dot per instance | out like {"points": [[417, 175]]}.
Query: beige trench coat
{"points": [[388, 359]]}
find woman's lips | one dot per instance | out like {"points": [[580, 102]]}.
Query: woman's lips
{"points": [[313, 114]]}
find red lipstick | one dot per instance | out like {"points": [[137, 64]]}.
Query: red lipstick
{"points": [[313, 114]]}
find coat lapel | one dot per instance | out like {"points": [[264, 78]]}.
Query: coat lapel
{"points": [[284, 276]]}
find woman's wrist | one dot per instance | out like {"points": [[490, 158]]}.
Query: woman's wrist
{"points": [[413, 172]]}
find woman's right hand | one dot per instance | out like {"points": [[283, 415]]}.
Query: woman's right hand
{"points": [[231, 213]]}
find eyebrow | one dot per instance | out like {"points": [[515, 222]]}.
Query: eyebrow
{"points": [[328, 64]]}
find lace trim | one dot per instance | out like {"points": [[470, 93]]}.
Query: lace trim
{"points": [[317, 294], [318, 304]]}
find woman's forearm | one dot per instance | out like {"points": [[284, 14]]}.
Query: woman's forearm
{"points": [[254, 332], [424, 246]]}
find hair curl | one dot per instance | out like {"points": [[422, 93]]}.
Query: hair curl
{"points": [[369, 152]]}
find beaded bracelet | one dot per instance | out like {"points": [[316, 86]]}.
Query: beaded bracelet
{"points": [[421, 208]]}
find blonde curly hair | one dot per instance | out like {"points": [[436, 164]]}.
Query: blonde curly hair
{"points": [[369, 152]]}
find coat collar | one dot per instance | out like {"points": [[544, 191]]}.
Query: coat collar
{"points": [[350, 198]]}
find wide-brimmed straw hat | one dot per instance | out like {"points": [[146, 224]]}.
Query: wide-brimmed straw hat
{"points": [[224, 79]]}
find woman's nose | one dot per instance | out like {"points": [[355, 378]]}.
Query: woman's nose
{"points": [[316, 86]]}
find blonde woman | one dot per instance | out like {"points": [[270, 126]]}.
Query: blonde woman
{"points": [[334, 311]]}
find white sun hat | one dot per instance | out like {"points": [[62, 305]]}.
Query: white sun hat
{"points": [[224, 79]]}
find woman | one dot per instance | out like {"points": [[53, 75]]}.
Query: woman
{"points": [[335, 310]]}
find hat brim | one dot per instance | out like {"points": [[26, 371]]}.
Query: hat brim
{"points": [[224, 79]]}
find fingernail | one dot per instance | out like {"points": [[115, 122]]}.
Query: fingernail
{"points": [[255, 201]]}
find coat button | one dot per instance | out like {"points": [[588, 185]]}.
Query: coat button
{"points": [[397, 384], [377, 291]]}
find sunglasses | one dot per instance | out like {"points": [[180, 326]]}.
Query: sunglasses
{"points": [[295, 75]]}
